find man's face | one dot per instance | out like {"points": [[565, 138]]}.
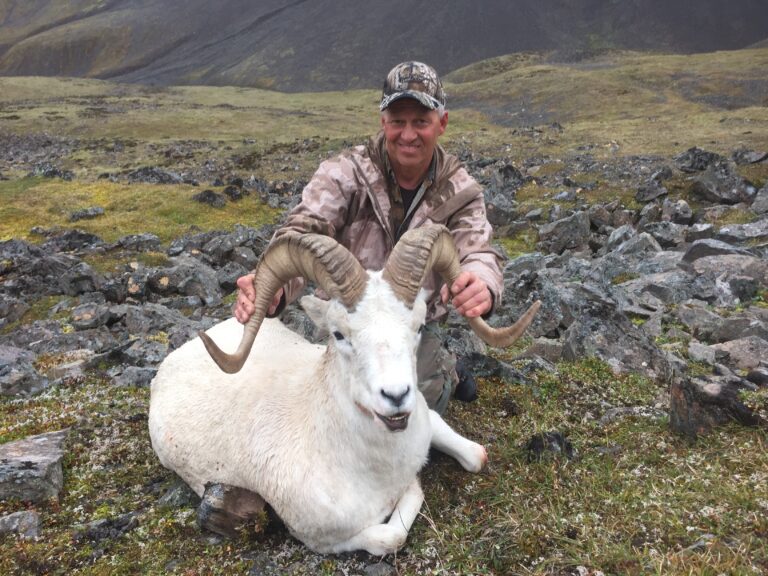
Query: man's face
{"points": [[411, 132]]}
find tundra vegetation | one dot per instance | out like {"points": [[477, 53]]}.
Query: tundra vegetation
{"points": [[635, 498]]}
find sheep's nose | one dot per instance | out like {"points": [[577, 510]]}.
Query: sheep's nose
{"points": [[396, 399]]}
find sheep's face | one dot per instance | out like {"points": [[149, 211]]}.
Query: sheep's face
{"points": [[377, 343]]}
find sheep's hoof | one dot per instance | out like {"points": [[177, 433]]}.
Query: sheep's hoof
{"points": [[226, 509]]}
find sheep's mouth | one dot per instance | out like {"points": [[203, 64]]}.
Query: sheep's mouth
{"points": [[396, 422]]}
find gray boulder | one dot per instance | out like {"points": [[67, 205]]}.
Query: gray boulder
{"points": [[30, 469], [565, 234], [25, 524], [18, 376]]}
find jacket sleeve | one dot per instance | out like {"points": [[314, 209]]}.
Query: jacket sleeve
{"points": [[473, 234], [323, 208]]}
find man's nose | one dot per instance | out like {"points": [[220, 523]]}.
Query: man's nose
{"points": [[409, 132]]}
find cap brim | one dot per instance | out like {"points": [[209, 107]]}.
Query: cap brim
{"points": [[424, 99]]}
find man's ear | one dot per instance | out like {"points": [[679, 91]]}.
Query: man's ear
{"points": [[444, 122], [316, 309]]}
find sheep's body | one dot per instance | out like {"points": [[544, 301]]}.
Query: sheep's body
{"points": [[296, 426]]}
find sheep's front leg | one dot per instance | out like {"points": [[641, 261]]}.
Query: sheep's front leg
{"points": [[382, 539], [471, 455]]}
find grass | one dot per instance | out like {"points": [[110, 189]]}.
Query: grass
{"points": [[636, 499], [165, 210]]}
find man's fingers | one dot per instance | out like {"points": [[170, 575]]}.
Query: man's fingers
{"points": [[444, 293]]}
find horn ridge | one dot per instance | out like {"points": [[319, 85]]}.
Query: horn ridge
{"points": [[315, 257]]}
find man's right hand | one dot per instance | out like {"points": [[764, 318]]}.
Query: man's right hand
{"points": [[246, 296]]}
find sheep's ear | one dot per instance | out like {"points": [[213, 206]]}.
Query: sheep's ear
{"points": [[316, 309]]}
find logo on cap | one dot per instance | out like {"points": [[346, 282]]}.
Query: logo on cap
{"points": [[413, 80]]}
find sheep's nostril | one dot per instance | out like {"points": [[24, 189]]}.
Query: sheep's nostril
{"points": [[396, 399]]}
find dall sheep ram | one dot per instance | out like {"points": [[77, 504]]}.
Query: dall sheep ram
{"points": [[331, 437]]}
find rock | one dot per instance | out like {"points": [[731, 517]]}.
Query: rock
{"points": [[18, 376], [760, 202], [90, 315], [745, 156], [70, 241], [228, 275], [135, 376], [234, 193], [619, 236], [613, 414], [180, 495], [25, 524], [744, 233], [759, 376], [211, 198], [642, 243], [86, 213], [48, 170], [30, 469], [140, 242], [678, 212], [484, 366], [667, 234], [719, 185], [188, 277], [697, 405], [552, 444], [733, 266], [650, 191], [696, 160], [11, 309], [567, 233], [379, 569], [245, 257], [106, 528], [154, 175], [699, 231], [745, 353], [698, 320], [613, 338], [80, 279], [698, 352], [711, 247]]}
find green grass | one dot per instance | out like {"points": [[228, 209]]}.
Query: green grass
{"points": [[636, 499], [165, 210]]}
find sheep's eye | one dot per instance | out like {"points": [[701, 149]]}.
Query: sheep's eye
{"points": [[338, 335]]}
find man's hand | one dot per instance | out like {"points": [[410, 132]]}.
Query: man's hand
{"points": [[470, 295], [246, 296]]}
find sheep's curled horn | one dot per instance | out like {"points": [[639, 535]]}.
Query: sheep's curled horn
{"points": [[322, 260], [312, 256], [429, 248]]}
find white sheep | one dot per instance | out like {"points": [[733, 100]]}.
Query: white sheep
{"points": [[331, 437]]}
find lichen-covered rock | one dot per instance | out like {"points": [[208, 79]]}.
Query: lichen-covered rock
{"points": [[30, 469]]}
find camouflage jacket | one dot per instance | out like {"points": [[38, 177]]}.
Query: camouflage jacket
{"points": [[354, 199]]}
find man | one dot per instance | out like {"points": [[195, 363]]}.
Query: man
{"points": [[368, 196]]}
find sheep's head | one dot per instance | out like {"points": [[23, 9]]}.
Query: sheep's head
{"points": [[374, 347], [385, 328]]}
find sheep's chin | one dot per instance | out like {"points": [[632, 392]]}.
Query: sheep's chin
{"points": [[395, 422]]}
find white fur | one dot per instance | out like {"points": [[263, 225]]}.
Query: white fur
{"points": [[297, 424]]}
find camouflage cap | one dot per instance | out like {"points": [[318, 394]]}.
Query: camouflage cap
{"points": [[413, 80]]}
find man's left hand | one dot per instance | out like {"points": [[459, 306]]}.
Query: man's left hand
{"points": [[470, 295]]}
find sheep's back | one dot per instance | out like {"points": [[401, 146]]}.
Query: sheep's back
{"points": [[200, 417]]}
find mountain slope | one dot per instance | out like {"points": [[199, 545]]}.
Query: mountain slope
{"points": [[301, 45]]}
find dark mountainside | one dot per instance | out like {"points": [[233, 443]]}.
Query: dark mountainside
{"points": [[304, 46]]}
